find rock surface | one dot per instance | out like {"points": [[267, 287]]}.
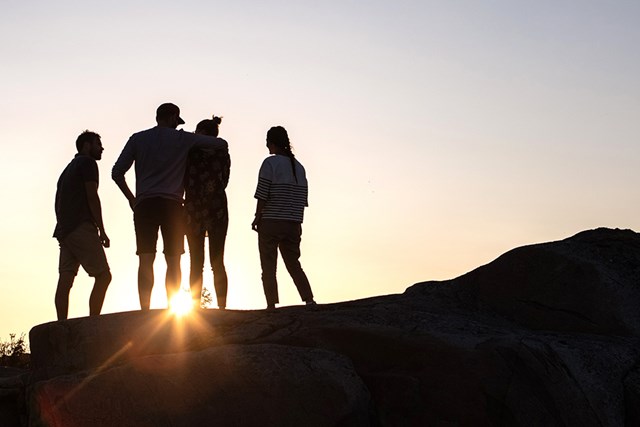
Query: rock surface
{"points": [[547, 334], [248, 385], [12, 387]]}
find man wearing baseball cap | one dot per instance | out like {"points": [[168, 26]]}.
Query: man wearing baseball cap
{"points": [[160, 155]]}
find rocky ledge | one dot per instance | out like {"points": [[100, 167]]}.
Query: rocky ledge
{"points": [[545, 335]]}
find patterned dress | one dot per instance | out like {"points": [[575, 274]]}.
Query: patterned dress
{"points": [[206, 179]]}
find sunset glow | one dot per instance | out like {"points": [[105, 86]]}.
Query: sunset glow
{"points": [[181, 304], [435, 135]]}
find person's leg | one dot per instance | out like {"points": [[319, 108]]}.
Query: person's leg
{"points": [[145, 279], [173, 277], [268, 247], [290, 250], [217, 240], [146, 221], [196, 257], [65, 282], [90, 253], [98, 293], [68, 269], [172, 227]]}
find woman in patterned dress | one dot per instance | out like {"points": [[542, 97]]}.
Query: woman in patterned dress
{"points": [[206, 210]]}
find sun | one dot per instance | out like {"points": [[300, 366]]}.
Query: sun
{"points": [[181, 303]]}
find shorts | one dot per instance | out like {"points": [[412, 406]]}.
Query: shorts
{"points": [[82, 247], [159, 213]]}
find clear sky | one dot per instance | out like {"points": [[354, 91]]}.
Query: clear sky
{"points": [[436, 134]]}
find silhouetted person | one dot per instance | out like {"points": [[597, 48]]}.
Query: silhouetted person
{"points": [[160, 155], [207, 214], [282, 196], [79, 228]]}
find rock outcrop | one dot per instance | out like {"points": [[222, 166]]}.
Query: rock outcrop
{"points": [[547, 334]]}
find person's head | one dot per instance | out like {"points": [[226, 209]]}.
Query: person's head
{"points": [[278, 140], [278, 143], [210, 127], [168, 115], [89, 143]]}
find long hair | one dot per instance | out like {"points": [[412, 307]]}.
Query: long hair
{"points": [[278, 136]]}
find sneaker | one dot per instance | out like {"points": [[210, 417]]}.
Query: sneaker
{"points": [[311, 304]]}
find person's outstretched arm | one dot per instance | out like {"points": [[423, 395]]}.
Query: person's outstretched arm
{"points": [[209, 143]]}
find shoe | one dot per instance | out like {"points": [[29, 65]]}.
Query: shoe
{"points": [[271, 307], [311, 304]]}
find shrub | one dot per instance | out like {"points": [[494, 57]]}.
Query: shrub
{"points": [[206, 299], [15, 352]]}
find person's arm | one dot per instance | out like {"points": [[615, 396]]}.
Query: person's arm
{"points": [[256, 220], [226, 170], [209, 143], [124, 187], [262, 192], [122, 165], [91, 187]]}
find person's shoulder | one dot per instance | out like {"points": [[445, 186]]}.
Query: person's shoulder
{"points": [[143, 133], [270, 160], [84, 159], [282, 159], [86, 165]]}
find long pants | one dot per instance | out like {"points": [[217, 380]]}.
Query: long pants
{"points": [[217, 239], [286, 236]]}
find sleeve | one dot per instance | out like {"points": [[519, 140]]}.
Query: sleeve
{"points": [[204, 141], [125, 160], [265, 178]]}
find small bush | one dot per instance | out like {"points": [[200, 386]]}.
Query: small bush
{"points": [[15, 352], [206, 299]]}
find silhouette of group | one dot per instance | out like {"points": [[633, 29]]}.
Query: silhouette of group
{"points": [[181, 178]]}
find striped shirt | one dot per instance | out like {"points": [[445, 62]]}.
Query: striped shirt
{"points": [[285, 198]]}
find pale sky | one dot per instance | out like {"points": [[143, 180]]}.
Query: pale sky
{"points": [[436, 135]]}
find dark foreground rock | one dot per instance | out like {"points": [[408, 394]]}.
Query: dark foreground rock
{"points": [[546, 335], [248, 385], [12, 399]]}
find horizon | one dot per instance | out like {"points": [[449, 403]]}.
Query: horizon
{"points": [[436, 137]]}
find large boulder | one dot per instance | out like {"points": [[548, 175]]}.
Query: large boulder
{"points": [[587, 283], [249, 385], [545, 335]]}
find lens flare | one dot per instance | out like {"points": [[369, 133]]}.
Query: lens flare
{"points": [[181, 303]]}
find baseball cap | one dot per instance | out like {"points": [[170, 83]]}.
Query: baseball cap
{"points": [[169, 109]]}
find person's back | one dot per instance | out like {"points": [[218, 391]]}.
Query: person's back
{"points": [[205, 183], [71, 205], [160, 156], [285, 194]]}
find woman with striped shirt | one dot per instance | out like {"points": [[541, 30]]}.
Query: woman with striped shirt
{"points": [[282, 196]]}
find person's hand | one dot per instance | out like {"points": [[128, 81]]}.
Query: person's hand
{"points": [[254, 224], [132, 203], [104, 239]]}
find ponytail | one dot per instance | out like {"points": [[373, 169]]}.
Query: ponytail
{"points": [[278, 136]]}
